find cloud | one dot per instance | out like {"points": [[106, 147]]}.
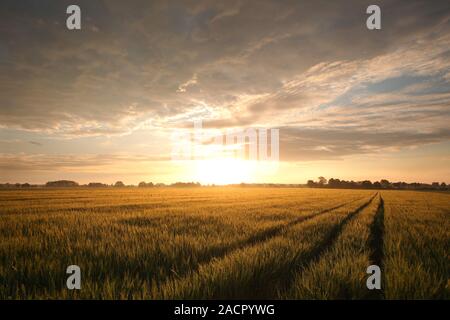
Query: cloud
{"points": [[35, 143], [306, 67], [325, 144], [57, 162]]}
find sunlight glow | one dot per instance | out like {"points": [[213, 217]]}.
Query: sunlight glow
{"points": [[224, 171], [221, 171]]}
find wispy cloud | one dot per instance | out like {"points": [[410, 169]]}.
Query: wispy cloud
{"points": [[56, 162]]}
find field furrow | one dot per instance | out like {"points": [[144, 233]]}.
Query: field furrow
{"points": [[340, 272], [260, 271]]}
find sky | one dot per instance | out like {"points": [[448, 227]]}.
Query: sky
{"points": [[102, 103]]}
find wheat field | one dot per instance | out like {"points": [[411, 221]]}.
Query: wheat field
{"points": [[224, 242]]}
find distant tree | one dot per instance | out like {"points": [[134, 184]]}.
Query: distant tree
{"points": [[435, 185], [343, 183], [322, 181], [119, 184], [143, 184], [334, 183], [311, 184], [377, 185], [61, 184], [97, 185], [385, 183], [443, 186], [366, 184], [400, 185], [186, 184]]}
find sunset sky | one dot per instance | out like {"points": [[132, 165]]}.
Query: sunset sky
{"points": [[101, 103]]}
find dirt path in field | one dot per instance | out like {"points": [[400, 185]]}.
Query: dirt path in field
{"points": [[275, 231], [376, 245], [327, 242], [287, 271], [262, 237]]}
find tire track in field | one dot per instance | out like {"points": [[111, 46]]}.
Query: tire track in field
{"points": [[318, 251], [258, 238], [275, 231], [376, 245]]}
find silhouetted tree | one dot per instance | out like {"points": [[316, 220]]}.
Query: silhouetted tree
{"points": [[97, 185], [61, 184], [385, 183], [186, 184], [311, 184], [334, 183], [366, 184], [322, 181], [143, 184], [119, 184]]}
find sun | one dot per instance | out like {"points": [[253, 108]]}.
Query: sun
{"points": [[224, 171]]}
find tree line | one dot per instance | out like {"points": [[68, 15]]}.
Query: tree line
{"points": [[320, 183], [367, 184], [74, 184]]}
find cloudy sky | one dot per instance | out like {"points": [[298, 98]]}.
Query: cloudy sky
{"points": [[101, 103]]}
